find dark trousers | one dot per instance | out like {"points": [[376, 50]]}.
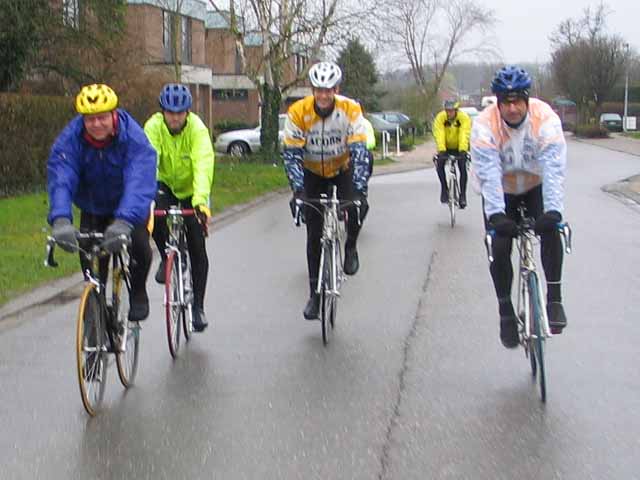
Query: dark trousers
{"points": [[551, 246], [195, 241], [140, 252], [462, 171], [314, 185]]}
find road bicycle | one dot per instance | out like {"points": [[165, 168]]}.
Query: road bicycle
{"points": [[330, 274], [178, 286], [102, 326], [533, 324]]}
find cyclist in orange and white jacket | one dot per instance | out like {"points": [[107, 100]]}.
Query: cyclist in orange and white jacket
{"points": [[325, 144]]}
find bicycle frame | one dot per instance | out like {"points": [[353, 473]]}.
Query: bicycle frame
{"points": [[330, 238]]}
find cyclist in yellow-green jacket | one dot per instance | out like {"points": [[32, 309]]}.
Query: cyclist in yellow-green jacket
{"points": [[185, 177], [451, 132]]}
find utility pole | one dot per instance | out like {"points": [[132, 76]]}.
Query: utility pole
{"points": [[626, 86]]}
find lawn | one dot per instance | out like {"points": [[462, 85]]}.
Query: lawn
{"points": [[24, 228]]}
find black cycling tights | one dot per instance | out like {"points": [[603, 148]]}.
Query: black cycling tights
{"points": [[462, 171], [195, 241], [551, 248], [314, 185], [140, 251]]}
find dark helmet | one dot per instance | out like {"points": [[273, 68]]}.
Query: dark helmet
{"points": [[451, 104], [511, 79], [175, 97]]}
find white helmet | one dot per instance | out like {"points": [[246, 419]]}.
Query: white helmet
{"points": [[325, 75]]}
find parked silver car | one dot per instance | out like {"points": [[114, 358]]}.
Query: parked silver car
{"points": [[243, 142]]}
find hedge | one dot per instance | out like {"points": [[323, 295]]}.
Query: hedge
{"points": [[29, 125], [592, 131]]}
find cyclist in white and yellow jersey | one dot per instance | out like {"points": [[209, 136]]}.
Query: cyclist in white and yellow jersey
{"points": [[325, 144]]}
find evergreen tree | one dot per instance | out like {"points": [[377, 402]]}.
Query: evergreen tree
{"points": [[359, 75]]}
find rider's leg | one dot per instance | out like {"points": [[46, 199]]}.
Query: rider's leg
{"points": [[552, 257], [141, 256], [164, 199], [462, 169], [314, 185], [345, 191], [93, 223], [196, 245], [444, 191]]}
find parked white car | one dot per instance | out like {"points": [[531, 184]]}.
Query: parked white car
{"points": [[243, 142]]}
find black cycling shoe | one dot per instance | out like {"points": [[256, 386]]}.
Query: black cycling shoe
{"points": [[312, 309], [199, 320], [160, 273], [444, 196], [462, 201], [351, 262], [139, 308], [509, 331], [556, 316]]}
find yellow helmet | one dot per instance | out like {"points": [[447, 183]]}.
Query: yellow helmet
{"points": [[96, 98]]}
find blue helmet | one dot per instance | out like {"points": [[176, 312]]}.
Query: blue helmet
{"points": [[175, 97], [511, 79]]}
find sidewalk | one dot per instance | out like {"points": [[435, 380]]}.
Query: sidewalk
{"points": [[628, 187], [418, 158]]}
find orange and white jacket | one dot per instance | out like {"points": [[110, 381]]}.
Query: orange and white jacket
{"points": [[515, 160], [325, 146]]}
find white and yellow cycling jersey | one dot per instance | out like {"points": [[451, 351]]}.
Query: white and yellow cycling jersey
{"points": [[324, 141]]}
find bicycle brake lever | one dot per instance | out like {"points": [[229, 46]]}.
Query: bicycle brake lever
{"points": [[50, 260]]}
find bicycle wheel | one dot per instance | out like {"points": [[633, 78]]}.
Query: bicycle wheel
{"points": [[526, 337], [326, 297], [453, 200], [91, 351], [538, 340], [187, 317], [173, 305], [128, 335]]}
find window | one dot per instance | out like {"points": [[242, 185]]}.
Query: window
{"points": [[230, 95], [166, 36], [71, 13], [186, 40], [301, 62]]}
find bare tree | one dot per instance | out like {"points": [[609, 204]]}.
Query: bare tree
{"points": [[173, 25], [433, 34], [587, 62], [287, 28]]}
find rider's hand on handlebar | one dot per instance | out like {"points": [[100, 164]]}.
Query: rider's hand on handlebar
{"points": [[547, 222], [203, 214], [116, 235], [503, 225], [294, 204], [64, 233]]}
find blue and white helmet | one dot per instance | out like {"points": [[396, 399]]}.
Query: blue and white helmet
{"points": [[511, 79], [175, 97], [325, 75]]}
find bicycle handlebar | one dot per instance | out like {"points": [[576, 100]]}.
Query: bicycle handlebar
{"points": [[51, 245], [314, 202], [526, 227], [185, 212]]}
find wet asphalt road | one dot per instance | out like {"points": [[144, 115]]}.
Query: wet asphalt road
{"points": [[414, 385]]}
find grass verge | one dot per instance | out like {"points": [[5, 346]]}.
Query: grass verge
{"points": [[23, 224]]}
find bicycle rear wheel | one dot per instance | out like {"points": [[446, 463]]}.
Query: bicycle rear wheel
{"points": [[91, 351], [453, 200], [538, 339], [173, 305], [128, 335]]}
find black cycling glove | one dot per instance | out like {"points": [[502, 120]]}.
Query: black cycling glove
{"points": [[547, 222], [503, 225], [116, 235], [64, 233]]}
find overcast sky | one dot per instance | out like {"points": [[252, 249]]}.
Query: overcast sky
{"points": [[524, 26]]}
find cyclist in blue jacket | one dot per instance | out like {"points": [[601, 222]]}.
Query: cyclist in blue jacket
{"points": [[104, 164]]}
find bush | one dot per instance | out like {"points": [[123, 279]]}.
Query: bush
{"points": [[592, 131], [29, 125]]}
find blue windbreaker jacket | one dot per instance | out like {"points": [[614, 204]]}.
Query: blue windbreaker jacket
{"points": [[118, 181]]}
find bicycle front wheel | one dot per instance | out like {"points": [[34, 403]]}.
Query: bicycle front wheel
{"points": [[453, 200], [327, 312], [187, 316], [173, 304], [538, 338], [91, 351], [127, 337]]}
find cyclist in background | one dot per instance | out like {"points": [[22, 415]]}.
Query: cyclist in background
{"points": [[519, 156], [451, 131], [185, 178], [325, 144], [103, 163]]}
